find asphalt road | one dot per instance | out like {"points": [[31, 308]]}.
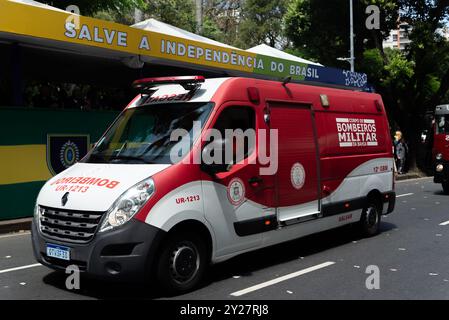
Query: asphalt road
{"points": [[411, 254]]}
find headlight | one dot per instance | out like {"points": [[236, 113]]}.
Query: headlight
{"points": [[439, 168], [439, 156], [128, 205]]}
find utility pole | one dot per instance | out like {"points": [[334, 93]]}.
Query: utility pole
{"points": [[351, 38], [351, 35], [199, 16]]}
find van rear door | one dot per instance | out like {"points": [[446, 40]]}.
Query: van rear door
{"points": [[297, 187]]}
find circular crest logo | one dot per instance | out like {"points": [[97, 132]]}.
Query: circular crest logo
{"points": [[236, 191], [298, 176], [69, 154]]}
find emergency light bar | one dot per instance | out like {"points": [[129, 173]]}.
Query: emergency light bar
{"points": [[187, 82]]}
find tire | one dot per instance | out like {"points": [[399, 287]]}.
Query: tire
{"points": [[182, 263], [369, 224], [445, 186]]}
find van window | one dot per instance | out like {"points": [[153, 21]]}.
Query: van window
{"points": [[143, 134], [234, 118], [442, 124]]}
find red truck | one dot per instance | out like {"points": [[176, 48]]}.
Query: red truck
{"points": [[440, 150]]}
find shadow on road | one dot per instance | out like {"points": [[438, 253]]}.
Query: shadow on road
{"points": [[243, 265]]}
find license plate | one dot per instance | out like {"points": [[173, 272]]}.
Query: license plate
{"points": [[58, 252]]}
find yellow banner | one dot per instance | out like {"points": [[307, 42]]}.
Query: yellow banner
{"points": [[27, 20], [21, 19], [24, 163]]}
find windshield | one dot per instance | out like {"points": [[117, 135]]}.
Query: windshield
{"points": [[142, 134], [442, 124]]}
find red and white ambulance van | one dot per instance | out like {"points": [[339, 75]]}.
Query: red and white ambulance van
{"points": [[143, 204], [440, 148]]}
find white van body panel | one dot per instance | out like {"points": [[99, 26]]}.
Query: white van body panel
{"points": [[220, 221], [362, 180], [95, 198]]}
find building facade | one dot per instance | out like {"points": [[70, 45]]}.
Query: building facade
{"points": [[399, 38]]}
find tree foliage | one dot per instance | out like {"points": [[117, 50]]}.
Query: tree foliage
{"points": [[262, 23], [221, 20], [179, 13], [89, 7], [411, 81], [321, 28]]}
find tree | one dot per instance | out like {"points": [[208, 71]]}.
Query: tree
{"points": [[221, 20], [321, 28], [411, 82], [179, 13], [430, 53], [90, 7], [262, 23]]}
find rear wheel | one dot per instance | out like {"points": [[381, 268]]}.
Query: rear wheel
{"points": [[370, 221], [445, 186], [182, 263]]}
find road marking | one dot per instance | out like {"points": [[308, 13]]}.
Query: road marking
{"points": [[281, 279], [15, 235], [404, 195], [445, 223], [20, 268]]}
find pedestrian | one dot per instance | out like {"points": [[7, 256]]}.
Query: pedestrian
{"points": [[400, 152]]}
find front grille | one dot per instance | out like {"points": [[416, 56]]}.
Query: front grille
{"points": [[69, 225]]}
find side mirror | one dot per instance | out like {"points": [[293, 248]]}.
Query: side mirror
{"points": [[213, 157]]}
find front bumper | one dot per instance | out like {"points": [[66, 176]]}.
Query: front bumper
{"points": [[125, 254]]}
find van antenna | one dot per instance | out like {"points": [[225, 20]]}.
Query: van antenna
{"points": [[286, 80]]}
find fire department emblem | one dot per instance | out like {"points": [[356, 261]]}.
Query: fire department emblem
{"points": [[298, 176], [64, 151], [236, 191]]}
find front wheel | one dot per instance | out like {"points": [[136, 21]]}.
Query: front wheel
{"points": [[182, 263], [370, 221]]}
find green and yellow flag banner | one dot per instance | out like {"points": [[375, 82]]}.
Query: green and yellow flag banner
{"points": [[33, 149]]}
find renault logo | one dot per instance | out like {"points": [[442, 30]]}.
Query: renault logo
{"points": [[64, 199]]}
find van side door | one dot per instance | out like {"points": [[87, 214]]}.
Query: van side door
{"points": [[297, 178]]}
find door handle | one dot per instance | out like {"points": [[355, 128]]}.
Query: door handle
{"points": [[255, 181]]}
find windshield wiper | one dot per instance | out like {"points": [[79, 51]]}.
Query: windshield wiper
{"points": [[123, 157]]}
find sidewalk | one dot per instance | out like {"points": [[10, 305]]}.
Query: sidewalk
{"points": [[410, 175], [16, 225]]}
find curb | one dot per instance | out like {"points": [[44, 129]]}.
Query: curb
{"points": [[9, 226], [410, 176]]}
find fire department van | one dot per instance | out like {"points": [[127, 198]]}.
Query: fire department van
{"points": [[143, 204], [440, 149]]}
